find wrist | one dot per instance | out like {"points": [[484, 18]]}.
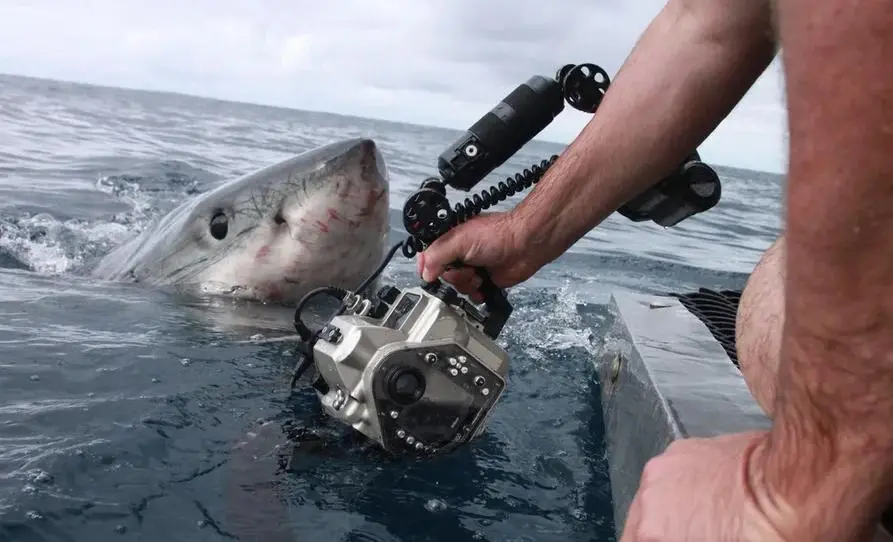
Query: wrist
{"points": [[550, 218], [538, 234], [815, 484]]}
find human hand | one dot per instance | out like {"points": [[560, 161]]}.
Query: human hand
{"points": [[699, 489], [491, 241]]}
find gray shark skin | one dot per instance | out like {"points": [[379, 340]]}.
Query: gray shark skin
{"points": [[319, 218]]}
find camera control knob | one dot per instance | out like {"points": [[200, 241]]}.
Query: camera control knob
{"points": [[388, 294], [447, 293], [378, 309]]}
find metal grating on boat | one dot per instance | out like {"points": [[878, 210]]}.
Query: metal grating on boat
{"points": [[717, 310]]}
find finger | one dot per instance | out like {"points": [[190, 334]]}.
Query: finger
{"points": [[462, 276], [447, 249], [464, 279], [420, 263]]}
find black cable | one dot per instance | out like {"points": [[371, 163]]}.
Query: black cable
{"points": [[502, 191], [308, 338], [384, 263], [333, 291], [338, 293]]}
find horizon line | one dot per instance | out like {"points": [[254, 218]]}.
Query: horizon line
{"points": [[299, 110]]}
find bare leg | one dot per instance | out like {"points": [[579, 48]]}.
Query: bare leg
{"points": [[759, 325], [758, 333]]}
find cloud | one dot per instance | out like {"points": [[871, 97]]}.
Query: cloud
{"points": [[437, 62]]}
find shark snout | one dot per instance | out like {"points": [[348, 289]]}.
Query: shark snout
{"points": [[362, 187], [364, 156], [350, 193]]}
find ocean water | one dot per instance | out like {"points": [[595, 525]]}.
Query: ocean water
{"points": [[133, 414]]}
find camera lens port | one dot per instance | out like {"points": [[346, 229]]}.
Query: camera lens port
{"points": [[406, 385]]}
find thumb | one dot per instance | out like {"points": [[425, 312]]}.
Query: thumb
{"points": [[447, 249]]}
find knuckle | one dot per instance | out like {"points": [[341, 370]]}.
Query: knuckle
{"points": [[471, 248], [651, 471]]}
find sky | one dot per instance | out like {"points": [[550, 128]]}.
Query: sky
{"points": [[434, 62]]}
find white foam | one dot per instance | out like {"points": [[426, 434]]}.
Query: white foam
{"points": [[48, 245], [552, 326]]}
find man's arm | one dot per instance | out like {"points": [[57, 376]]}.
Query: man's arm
{"points": [[688, 70], [831, 445]]}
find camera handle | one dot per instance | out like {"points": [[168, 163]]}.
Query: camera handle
{"points": [[427, 216], [498, 307]]}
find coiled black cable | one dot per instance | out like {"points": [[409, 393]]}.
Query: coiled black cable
{"points": [[500, 192], [412, 245]]}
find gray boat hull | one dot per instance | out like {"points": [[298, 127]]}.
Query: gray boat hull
{"points": [[663, 376]]}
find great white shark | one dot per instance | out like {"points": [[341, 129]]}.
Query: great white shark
{"points": [[318, 218]]}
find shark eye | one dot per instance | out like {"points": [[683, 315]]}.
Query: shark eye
{"points": [[219, 226]]}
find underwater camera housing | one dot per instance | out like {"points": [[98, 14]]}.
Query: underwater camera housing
{"points": [[419, 370], [413, 370]]}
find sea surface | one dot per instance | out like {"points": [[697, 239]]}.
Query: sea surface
{"points": [[133, 414]]}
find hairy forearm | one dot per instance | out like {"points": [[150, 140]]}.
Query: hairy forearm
{"points": [[683, 77], [832, 439]]}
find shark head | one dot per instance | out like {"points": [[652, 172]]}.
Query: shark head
{"points": [[319, 218]]}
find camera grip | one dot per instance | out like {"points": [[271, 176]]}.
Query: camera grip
{"points": [[497, 304]]}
